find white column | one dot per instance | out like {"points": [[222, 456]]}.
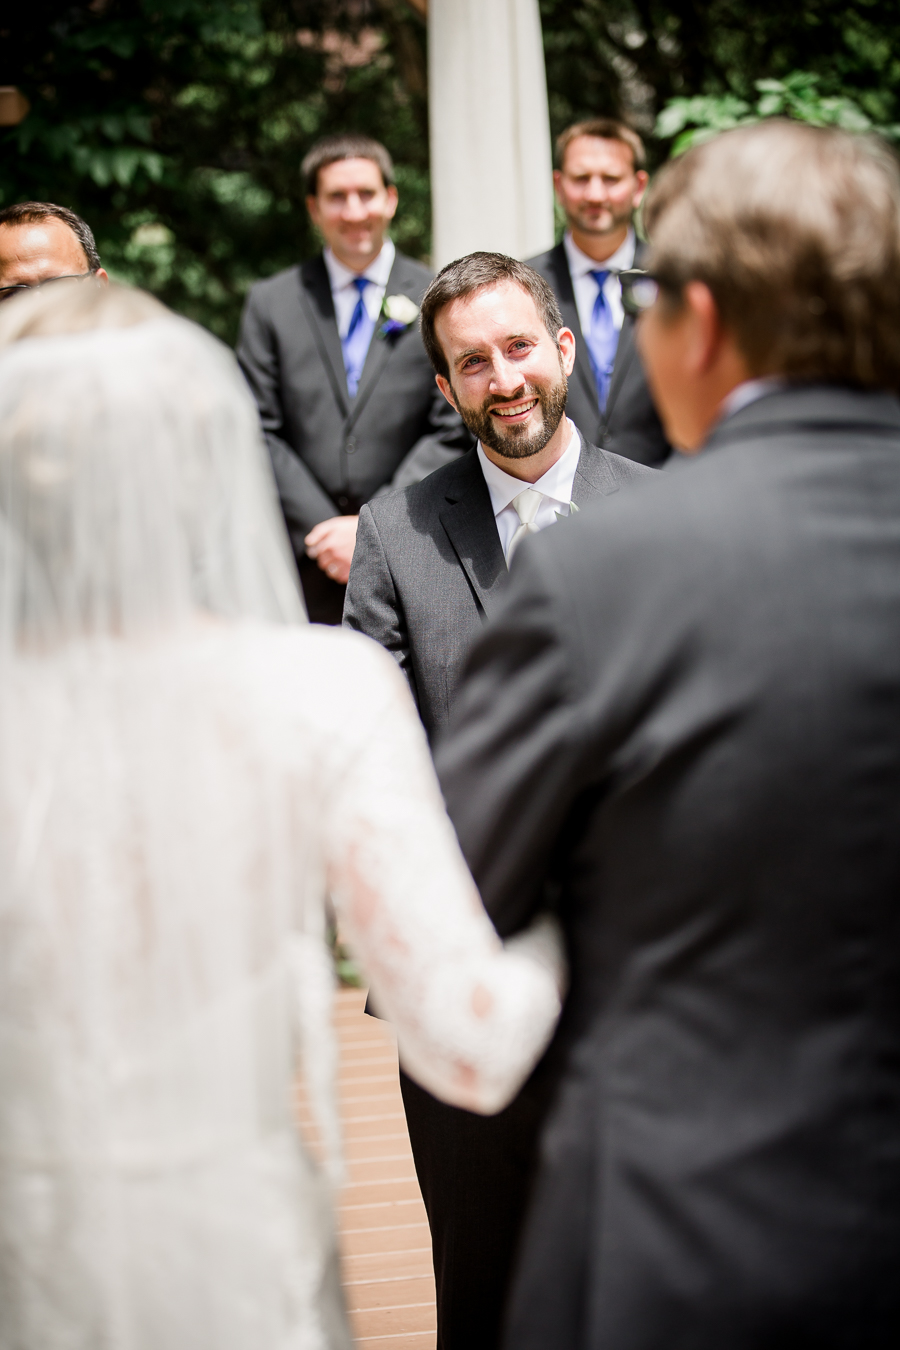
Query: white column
{"points": [[491, 165]]}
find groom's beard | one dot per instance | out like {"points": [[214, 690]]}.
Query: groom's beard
{"points": [[515, 442]]}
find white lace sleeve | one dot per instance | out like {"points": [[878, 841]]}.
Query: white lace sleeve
{"points": [[472, 1017]]}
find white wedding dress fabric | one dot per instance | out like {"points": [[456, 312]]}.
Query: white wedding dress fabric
{"points": [[187, 772]]}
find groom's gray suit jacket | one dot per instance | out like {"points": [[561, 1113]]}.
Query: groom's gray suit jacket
{"points": [[428, 569]]}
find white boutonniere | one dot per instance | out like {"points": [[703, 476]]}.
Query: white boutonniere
{"points": [[397, 312]]}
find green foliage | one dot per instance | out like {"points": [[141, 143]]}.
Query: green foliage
{"points": [[177, 127], [693, 120], [632, 58]]}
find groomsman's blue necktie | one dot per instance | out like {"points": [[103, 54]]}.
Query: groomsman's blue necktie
{"points": [[602, 340], [356, 344]]}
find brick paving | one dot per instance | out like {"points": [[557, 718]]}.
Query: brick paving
{"points": [[385, 1243]]}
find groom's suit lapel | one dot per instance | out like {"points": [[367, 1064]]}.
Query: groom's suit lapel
{"points": [[593, 476], [468, 519]]}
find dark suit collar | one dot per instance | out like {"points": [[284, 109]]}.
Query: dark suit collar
{"points": [[558, 265], [468, 519], [593, 476], [626, 352], [468, 516], [315, 289], [401, 281], [315, 297], [810, 407]]}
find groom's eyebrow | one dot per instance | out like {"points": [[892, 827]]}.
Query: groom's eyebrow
{"points": [[479, 351]]}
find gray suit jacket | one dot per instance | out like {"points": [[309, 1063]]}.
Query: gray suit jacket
{"points": [[683, 728], [331, 453], [428, 568], [630, 424]]}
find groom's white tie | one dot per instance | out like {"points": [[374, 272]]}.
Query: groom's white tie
{"points": [[526, 504]]}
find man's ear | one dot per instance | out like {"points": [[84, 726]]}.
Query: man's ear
{"points": [[446, 389], [565, 341], [705, 333]]}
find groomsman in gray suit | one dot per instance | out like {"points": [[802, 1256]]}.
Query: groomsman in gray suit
{"points": [[430, 565], [333, 356], [599, 182]]}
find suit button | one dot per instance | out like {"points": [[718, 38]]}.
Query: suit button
{"points": [[343, 502], [350, 447]]}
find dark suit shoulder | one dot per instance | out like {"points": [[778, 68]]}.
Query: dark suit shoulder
{"points": [[549, 263], [624, 470], [410, 268], [268, 287], [450, 481]]}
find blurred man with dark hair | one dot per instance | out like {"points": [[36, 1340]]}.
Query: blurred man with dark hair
{"points": [[40, 243], [332, 352], [683, 728], [600, 180]]}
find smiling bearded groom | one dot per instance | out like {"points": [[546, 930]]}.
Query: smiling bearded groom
{"points": [[429, 567]]}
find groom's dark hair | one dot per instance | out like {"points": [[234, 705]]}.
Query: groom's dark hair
{"points": [[474, 273]]}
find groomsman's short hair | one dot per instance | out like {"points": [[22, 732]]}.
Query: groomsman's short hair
{"points": [[476, 272], [605, 129], [796, 231], [332, 148]]}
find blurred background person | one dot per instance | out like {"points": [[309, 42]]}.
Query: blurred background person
{"points": [[599, 184], [41, 242], [186, 767], [684, 726], [332, 352]]}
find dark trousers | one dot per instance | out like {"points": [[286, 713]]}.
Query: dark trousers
{"points": [[324, 598], [475, 1173]]}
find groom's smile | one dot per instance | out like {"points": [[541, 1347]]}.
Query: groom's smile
{"points": [[507, 373]]}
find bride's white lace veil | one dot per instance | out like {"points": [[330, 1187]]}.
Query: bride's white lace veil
{"points": [[162, 904], [135, 489]]}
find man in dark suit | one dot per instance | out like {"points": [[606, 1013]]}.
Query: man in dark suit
{"points": [[332, 353], [430, 564], [683, 730], [599, 185]]}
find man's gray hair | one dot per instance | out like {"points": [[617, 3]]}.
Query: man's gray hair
{"points": [[796, 232], [30, 213], [476, 272]]}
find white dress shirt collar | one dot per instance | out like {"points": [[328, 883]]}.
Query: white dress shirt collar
{"points": [[748, 392], [344, 293], [584, 287], [581, 265], [378, 271], [556, 483]]}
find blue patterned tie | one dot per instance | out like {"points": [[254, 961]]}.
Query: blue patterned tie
{"points": [[356, 344], [602, 340]]}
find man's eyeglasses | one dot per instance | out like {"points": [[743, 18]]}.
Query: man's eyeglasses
{"points": [[640, 290], [7, 292]]}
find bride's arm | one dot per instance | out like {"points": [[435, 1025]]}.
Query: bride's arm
{"points": [[472, 1017]]}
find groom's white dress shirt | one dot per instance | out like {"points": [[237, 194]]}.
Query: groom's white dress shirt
{"points": [[555, 486], [345, 294]]}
